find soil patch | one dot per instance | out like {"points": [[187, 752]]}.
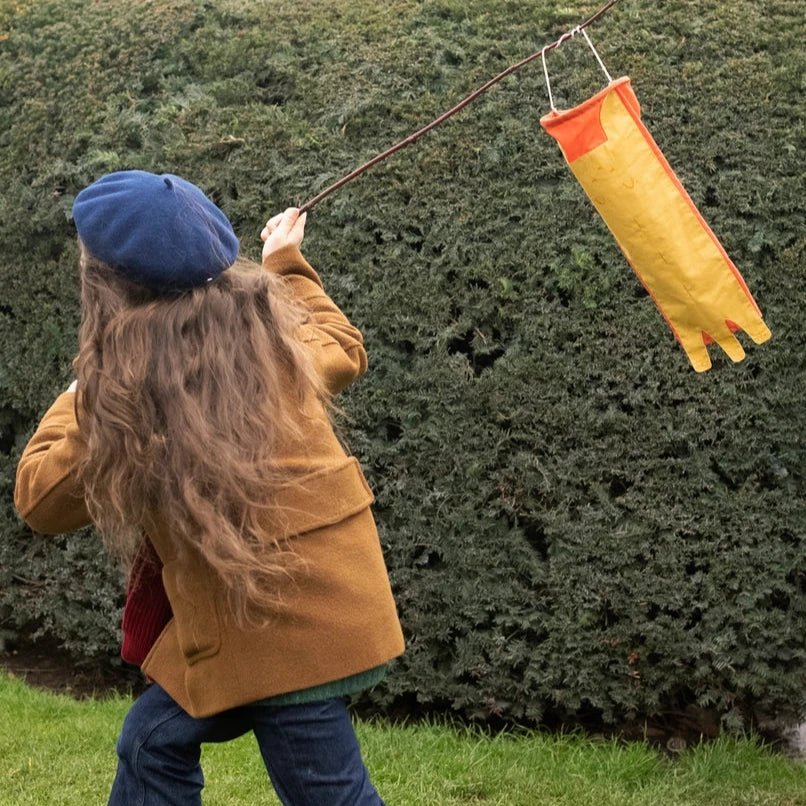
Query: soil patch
{"points": [[46, 666]]}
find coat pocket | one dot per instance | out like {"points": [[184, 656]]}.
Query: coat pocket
{"points": [[198, 628]]}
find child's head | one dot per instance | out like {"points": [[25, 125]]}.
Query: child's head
{"points": [[160, 232], [191, 376]]}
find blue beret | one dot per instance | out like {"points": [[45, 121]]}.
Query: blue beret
{"points": [[158, 231]]}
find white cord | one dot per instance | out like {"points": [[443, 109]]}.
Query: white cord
{"points": [[570, 35], [598, 58], [548, 83]]}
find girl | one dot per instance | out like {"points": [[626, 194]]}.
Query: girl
{"points": [[198, 430]]}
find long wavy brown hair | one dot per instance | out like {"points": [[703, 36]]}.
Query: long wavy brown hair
{"points": [[184, 400]]}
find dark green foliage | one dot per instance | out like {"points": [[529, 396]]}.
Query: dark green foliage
{"points": [[576, 523]]}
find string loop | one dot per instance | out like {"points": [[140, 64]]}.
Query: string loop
{"points": [[570, 35]]}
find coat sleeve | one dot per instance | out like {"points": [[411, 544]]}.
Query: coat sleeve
{"points": [[47, 494], [338, 345]]}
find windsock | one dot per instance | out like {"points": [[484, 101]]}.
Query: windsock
{"points": [[671, 248]]}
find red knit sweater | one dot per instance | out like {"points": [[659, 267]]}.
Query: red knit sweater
{"points": [[147, 609]]}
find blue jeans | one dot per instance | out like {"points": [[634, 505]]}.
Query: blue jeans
{"points": [[310, 751]]}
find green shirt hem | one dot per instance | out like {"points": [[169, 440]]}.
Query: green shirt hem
{"points": [[337, 688]]}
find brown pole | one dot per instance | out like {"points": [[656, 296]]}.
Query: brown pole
{"points": [[451, 112]]}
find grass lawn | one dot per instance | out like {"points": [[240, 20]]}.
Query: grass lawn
{"points": [[55, 750]]}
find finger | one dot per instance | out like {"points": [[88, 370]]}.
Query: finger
{"points": [[298, 230], [271, 225], [289, 218]]}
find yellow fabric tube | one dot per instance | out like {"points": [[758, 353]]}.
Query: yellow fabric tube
{"points": [[677, 257]]}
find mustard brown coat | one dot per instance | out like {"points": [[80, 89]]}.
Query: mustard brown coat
{"points": [[339, 617]]}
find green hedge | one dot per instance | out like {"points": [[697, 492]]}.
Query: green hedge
{"points": [[577, 525]]}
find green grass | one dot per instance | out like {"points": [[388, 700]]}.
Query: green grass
{"points": [[55, 750]]}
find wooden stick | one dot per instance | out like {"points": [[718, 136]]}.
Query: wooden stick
{"points": [[451, 112]]}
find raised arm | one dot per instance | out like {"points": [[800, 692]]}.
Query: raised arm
{"points": [[338, 344]]}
